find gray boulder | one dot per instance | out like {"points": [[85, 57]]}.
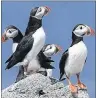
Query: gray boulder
{"points": [[39, 86]]}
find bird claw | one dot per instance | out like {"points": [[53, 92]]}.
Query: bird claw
{"points": [[73, 88]]}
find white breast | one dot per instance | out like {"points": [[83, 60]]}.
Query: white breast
{"points": [[39, 41], [33, 66], [14, 47], [76, 59]]}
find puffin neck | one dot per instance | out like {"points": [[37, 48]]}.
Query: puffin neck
{"points": [[33, 25], [76, 39], [18, 38]]}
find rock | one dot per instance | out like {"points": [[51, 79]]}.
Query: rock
{"points": [[39, 86]]}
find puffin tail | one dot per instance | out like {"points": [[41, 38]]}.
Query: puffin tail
{"points": [[9, 59], [62, 77], [47, 66], [50, 67], [11, 63], [49, 60]]}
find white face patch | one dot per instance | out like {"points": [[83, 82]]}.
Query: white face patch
{"points": [[11, 33], [50, 50], [40, 13], [81, 30]]}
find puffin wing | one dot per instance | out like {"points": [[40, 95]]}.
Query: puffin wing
{"points": [[22, 50], [47, 66], [44, 61], [62, 64], [44, 58]]}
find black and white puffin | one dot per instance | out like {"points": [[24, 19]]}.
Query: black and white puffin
{"points": [[33, 41], [40, 65], [12, 32], [74, 58], [49, 50]]}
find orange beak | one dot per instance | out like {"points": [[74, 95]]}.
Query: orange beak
{"points": [[58, 49], [92, 32], [3, 38], [47, 10]]}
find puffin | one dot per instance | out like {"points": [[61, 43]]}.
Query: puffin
{"points": [[12, 32], [74, 58], [33, 41], [49, 50], [42, 66]]}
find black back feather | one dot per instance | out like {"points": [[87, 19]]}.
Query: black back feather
{"points": [[44, 61], [62, 63], [22, 49]]}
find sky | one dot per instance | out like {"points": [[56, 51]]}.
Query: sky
{"points": [[58, 25]]}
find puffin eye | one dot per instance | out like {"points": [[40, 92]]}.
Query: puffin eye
{"points": [[40, 10], [81, 27], [10, 31], [50, 47]]}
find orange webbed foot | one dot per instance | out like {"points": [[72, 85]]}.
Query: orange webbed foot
{"points": [[73, 88], [82, 86]]}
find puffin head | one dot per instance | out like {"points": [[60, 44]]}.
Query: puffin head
{"points": [[81, 30], [39, 12], [51, 49], [10, 33]]}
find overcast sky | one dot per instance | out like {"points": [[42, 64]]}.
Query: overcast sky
{"points": [[58, 25]]}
